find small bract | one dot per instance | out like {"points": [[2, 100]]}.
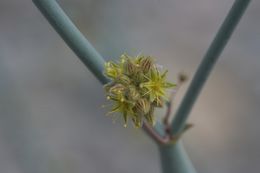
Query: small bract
{"points": [[137, 87]]}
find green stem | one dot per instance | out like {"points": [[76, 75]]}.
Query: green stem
{"points": [[174, 159], [208, 63], [73, 37]]}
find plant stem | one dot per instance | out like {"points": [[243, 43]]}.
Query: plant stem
{"points": [[174, 159], [169, 104], [208, 63], [73, 37], [153, 134]]}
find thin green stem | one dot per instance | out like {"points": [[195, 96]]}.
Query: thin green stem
{"points": [[208, 63], [73, 37]]}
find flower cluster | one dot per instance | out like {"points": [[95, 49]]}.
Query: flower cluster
{"points": [[137, 87]]}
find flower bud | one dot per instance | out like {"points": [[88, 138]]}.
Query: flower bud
{"points": [[146, 64], [112, 70], [123, 79], [142, 106], [158, 102], [117, 89], [182, 78], [137, 120], [132, 93], [130, 68], [108, 86], [150, 116]]}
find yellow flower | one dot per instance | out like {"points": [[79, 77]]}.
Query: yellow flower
{"points": [[156, 85], [136, 88], [121, 106], [112, 70]]}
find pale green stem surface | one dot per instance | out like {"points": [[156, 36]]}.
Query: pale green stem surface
{"points": [[208, 63], [173, 157]]}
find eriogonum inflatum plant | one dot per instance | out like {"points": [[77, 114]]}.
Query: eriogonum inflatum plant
{"points": [[137, 87]]}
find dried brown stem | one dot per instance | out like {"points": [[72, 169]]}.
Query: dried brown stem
{"points": [[169, 104], [162, 140], [155, 135], [181, 79]]}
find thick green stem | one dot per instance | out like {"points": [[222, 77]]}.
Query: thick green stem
{"points": [[208, 63], [174, 159], [73, 37]]}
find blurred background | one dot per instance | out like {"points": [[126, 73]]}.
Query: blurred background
{"points": [[51, 120]]}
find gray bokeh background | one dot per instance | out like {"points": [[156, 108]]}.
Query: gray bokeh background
{"points": [[51, 120]]}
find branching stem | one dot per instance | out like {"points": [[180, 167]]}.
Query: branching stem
{"points": [[152, 133], [208, 63], [173, 157], [169, 104]]}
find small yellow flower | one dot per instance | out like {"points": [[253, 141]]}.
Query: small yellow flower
{"points": [[137, 87], [112, 70], [156, 85], [121, 105]]}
